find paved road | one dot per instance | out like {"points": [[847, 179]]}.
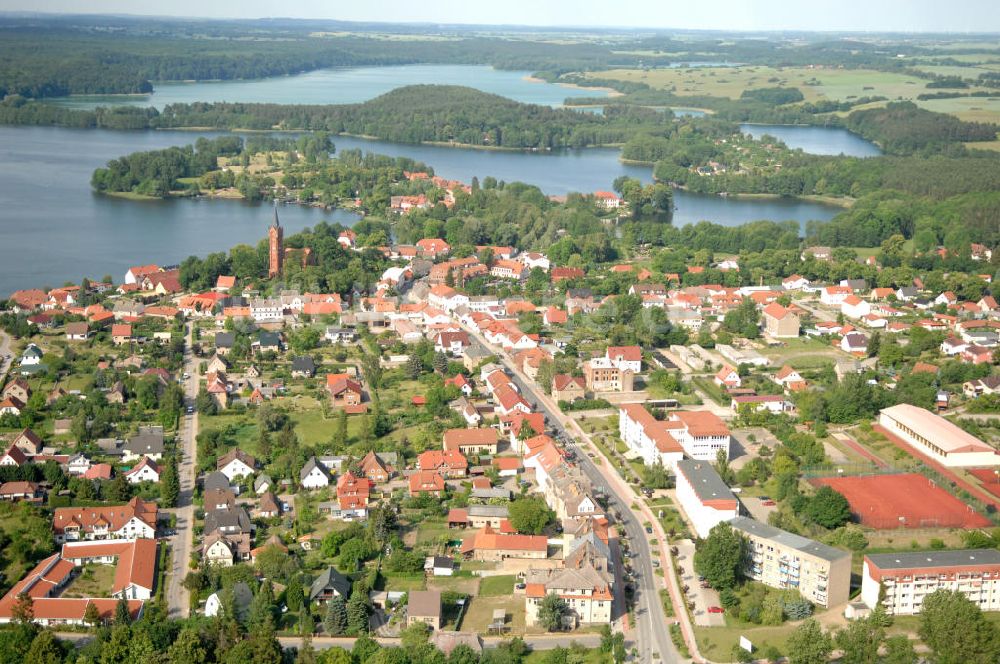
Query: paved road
{"points": [[178, 599], [5, 350], [652, 636]]}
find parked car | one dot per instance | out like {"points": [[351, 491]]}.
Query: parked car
{"points": [[768, 503], [716, 609], [649, 529]]}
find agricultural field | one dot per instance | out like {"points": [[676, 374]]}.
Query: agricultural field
{"points": [[839, 84]]}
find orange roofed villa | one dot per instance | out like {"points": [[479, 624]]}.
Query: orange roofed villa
{"points": [[134, 581]]}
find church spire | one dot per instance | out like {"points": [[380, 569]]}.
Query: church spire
{"points": [[276, 223]]}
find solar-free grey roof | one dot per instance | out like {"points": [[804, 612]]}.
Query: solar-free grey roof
{"points": [[705, 481], [787, 539], [923, 559]]}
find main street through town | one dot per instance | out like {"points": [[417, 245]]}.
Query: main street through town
{"points": [[652, 638], [182, 540]]}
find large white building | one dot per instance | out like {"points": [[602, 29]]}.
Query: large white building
{"points": [[902, 580], [704, 497], [698, 434], [936, 437], [647, 436]]}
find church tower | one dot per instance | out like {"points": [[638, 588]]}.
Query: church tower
{"points": [[276, 236]]}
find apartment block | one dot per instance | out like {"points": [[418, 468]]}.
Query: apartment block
{"points": [[901, 581], [780, 559]]}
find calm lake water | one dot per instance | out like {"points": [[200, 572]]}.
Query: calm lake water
{"points": [[346, 85], [816, 140], [53, 228]]}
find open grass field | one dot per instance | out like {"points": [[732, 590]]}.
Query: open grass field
{"points": [[973, 109], [886, 501], [480, 613], [817, 84], [497, 586], [839, 84]]}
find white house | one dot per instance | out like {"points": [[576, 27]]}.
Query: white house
{"points": [[854, 307], [314, 475], [533, 259], [78, 464], [834, 295], [145, 471], [236, 463], [854, 342]]}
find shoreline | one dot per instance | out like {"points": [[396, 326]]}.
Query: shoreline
{"points": [[612, 93]]}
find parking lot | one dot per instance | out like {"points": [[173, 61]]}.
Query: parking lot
{"points": [[703, 598]]}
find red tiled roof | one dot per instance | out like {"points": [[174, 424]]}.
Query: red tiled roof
{"points": [[454, 439]]}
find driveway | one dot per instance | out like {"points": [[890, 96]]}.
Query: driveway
{"points": [[702, 597]]}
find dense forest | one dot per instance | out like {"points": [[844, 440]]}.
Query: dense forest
{"points": [[120, 54], [156, 172], [905, 128], [412, 114], [125, 55]]}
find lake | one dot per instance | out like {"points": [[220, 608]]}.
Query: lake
{"points": [[53, 228], [816, 140], [343, 85]]}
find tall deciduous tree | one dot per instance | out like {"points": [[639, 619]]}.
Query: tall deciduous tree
{"points": [[551, 611], [809, 644], [956, 631], [721, 556], [530, 515]]}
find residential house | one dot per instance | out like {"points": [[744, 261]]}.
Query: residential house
{"points": [[728, 377], [471, 442], [447, 463], [566, 387], [147, 442], [344, 391], [236, 463], [424, 606], [145, 471], [303, 367], [780, 322], [424, 481], [314, 475], [602, 375], [329, 584], [136, 519]]}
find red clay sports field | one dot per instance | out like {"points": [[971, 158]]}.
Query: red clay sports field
{"points": [[908, 500]]}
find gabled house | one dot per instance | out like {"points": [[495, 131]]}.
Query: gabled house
{"points": [[148, 442], [313, 475], [145, 471], [236, 463], [329, 584], [728, 377], [566, 387]]}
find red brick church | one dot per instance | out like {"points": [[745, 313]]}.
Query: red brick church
{"points": [[277, 250]]}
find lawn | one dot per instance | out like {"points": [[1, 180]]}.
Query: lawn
{"points": [[497, 586], [480, 614], [802, 353], [434, 532], [717, 643], [404, 582], [93, 581]]}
